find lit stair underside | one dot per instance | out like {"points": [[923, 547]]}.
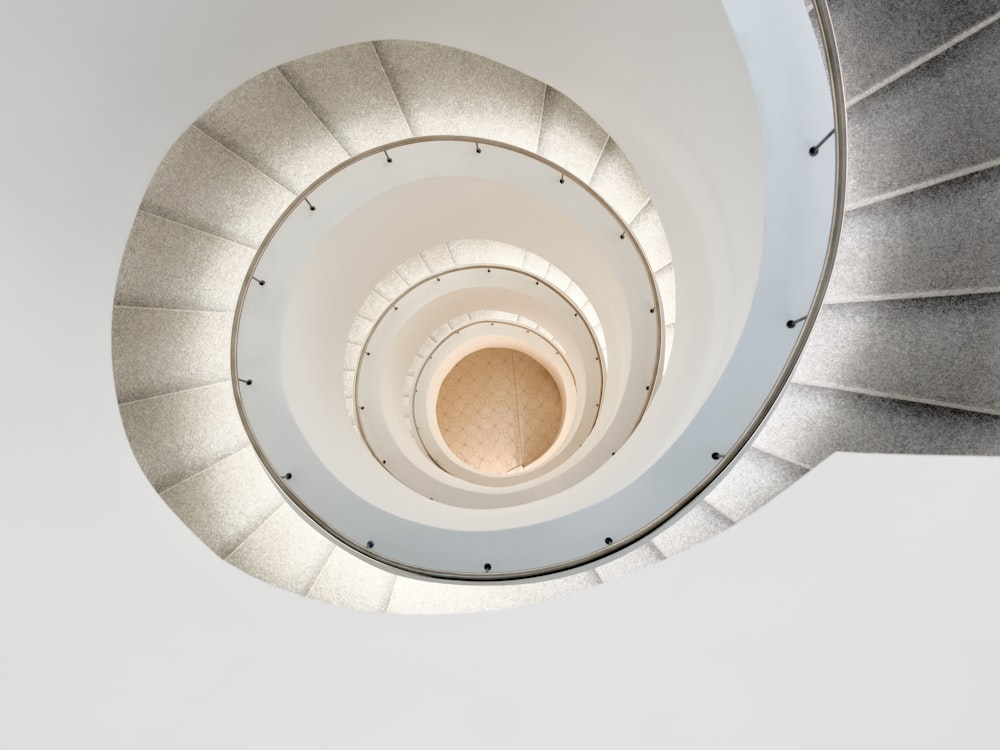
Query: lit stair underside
{"points": [[903, 358]]}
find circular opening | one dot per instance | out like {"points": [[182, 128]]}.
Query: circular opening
{"points": [[499, 410]]}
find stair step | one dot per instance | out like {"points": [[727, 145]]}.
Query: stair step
{"points": [[203, 184], [348, 581], [937, 349], [878, 39], [410, 596], [284, 551], [569, 136], [158, 351], [639, 558], [810, 423], [617, 182], [446, 91], [667, 287], [347, 89], [225, 503], [485, 252], [170, 265], [267, 123], [177, 435], [652, 237], [945, 237], [695, 526], [438, 258], [934, 121], [755, 479], [413, 270]]}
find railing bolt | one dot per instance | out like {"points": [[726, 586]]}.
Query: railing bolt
{"points": [[311, 206], [793, 323], [814, 150], [387, 157], [607, 540], [478, 150], [487, 567], [370, 544], [287, 476], [259, 281], [248, 381], [716, 456], [622, 235], [562, 179]]}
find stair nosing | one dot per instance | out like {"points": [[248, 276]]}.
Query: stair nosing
{"points": [[870, 393], [253, 166], [923, 185], [923, 59]]}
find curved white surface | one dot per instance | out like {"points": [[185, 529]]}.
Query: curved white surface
{"points": [[799, 201]]}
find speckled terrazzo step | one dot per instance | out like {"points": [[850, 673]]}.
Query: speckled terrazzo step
{"points": [[157, 351], [945, 238], [934, 121], [266, 122], [878, 39], [810, 423], [940, 350], [204, 185]]}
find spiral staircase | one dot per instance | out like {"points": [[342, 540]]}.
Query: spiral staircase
{"points": [[903, 357]]}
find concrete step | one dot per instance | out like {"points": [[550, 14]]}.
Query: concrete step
{"points": [[267, 123], [226, 502], [206, 186], [284, 551], [941, 350], [933, 122], [170, 265], [879, 39], [446, 91], [347, 89], [810, 423], [158, 351], [179, 434], [569, 136], [348, 581], [944, 238]]}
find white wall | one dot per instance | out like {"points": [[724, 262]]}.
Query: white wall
{"points": [[843, 615], [856, 610]]}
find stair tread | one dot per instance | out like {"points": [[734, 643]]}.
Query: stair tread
{"points": [[631, 562], [934, 121], [699, 523], [938, 349], [157, 351], [206, 186], [755, 479], [879, 39], [569, 136], [225, 503], [447, 91], [942, 238], [179, 434], [348, 581], [347, 89], [267, 123], [171, 265], [617, 182], [810, 423], [284, 551]]}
